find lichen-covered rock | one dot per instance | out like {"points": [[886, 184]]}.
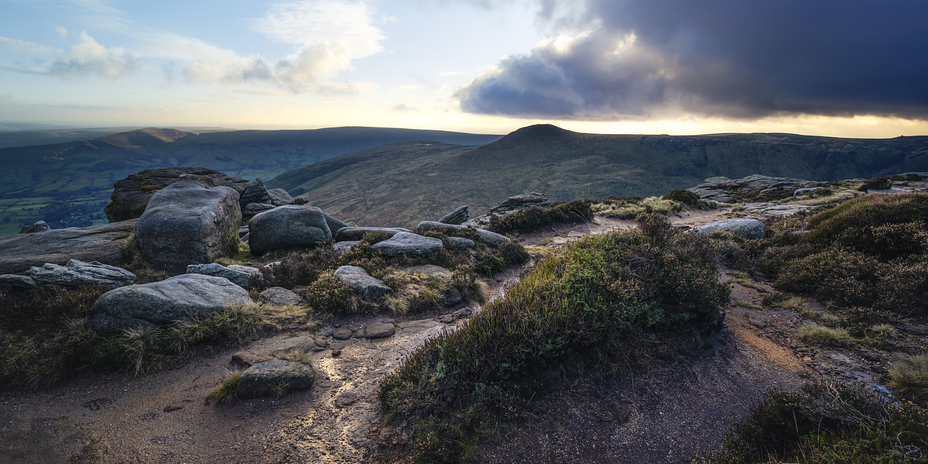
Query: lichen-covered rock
{"points": [[237, 277], [279, 296], [409, 244], [361, 282], [288, 227], [747, 228], [106, 244], [186, 223], [76, 273], [490, 238], [131, 195], [356, 233], [164, 302], [274, 378]]}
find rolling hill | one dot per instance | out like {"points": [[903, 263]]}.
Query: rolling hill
{"points": [[400, 184]]}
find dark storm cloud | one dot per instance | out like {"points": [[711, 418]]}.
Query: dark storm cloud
{"points": [[731, 58]]}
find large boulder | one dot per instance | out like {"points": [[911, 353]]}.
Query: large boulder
{"points": [[131, 195], [76, 273], [747, 228], [409, 244], [274, 378], [255, 193], [37, 226], [164, 302], [106, 244], [347, 234], [288, 227], [279, 197], [361, 282], [490, 238], [457, 216], [335, 225], [186, 223], [238, 277]]}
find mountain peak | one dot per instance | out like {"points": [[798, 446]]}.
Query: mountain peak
{"points": [[539, 130]]}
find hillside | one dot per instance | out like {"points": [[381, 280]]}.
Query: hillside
{"points": [[400, 182], [82, 173]]}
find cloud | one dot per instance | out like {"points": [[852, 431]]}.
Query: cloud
{"points": [[635, 58], [23, 46], [90, 58], [403, 108]]}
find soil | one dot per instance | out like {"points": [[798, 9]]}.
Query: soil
{"points": [[678, 410]]}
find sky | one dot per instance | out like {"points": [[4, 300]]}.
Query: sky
{"points": [[849, 68]]}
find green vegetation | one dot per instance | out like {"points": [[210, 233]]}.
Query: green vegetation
{"points": [[631, 207], [534, 217], [825, 423], [814, 333], [225, 392], [586, 303]]}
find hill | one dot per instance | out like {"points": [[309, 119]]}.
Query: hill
{"points": [[398, 183], [82, 173]]}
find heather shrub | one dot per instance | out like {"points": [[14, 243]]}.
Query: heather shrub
{"points": [[533, 217], [848, 278], [329, 295]]}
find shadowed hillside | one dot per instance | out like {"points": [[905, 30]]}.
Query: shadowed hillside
{"points": [[397, 183]]}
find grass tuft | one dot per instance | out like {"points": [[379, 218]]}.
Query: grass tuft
{"points": [[909, 376], [225, 392], [814, 333]]}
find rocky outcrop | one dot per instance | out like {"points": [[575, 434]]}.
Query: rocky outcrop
{"points": [[106, 244], [753, 188], [357, 233], [409, 244], [37, 226], [18, 281], [279, 296], [520, 202], [457, 216], [490, 238], [76, 273], [274, 378], [280, 197], [131, 195], [335, 225], [362, 283], [252, 209], [747, 228], [186, 223], [164, 302], [288, 227], [240, 276], [255, 193], [460, 243]]}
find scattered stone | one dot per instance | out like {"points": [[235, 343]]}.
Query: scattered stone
{"points": [[405, 243], [460, 243], [255, 193], [356, 233], [279, 296], [164, 302], [131, 195], [18, 281], [186, 223], [76, 273], [242, 279], [459, 314], [458, 216], [37, 226], [346, 398], [288, 227], [106, 244], [452, 297], [280, 197], [252, 209], [173, 407], [379, 330], [274, 378], [296, 344], [490, 238], [747, 228], [342, 334], [342, 247], [363, 284], [247, 358], [336, 353], [254, 272]]}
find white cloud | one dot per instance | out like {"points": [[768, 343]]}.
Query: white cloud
{"points": [[23, 46], [90, 58], [347, 24]]}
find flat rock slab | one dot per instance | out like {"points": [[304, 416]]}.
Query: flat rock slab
{"points": [[279, 296], [361, 282], [431, 270], [747, 228], [405, 243], [379, 330], [105, 244], [273, 378], [164, 302], [490, 238], [242, 279], [356, 233], [247, 358], [76, 273]]}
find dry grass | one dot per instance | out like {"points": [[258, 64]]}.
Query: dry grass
{"points": [[909, 376], [814, 333], [225, 392]]}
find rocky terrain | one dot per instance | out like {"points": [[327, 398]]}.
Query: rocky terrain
{"points": [[309, 385]]}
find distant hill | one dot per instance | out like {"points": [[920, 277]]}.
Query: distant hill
{"points": [[84, 171], [403, 183]]}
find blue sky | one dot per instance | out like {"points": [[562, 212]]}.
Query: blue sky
{"points": [[850, 68]]}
